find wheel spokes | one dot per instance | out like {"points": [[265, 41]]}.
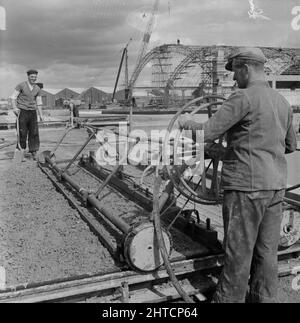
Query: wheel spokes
{"points": [[195, 192]]}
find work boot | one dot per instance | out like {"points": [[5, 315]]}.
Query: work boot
{"points": [[27, 154], [34, 155]]}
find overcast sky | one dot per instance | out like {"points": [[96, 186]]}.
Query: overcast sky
{"points": [[78, 43]]}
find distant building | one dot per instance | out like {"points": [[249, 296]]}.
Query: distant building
{"points": [[48, 97], [181, 68], [288, 84], [94, 96], [120, 95], [65, 94]]}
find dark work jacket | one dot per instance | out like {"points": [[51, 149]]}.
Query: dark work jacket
{"points": [[258, 123]]}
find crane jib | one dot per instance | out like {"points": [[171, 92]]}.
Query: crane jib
{"points": [[146, 38]]}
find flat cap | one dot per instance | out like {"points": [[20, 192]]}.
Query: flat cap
{"points": [[247, 53], [29, 72]]}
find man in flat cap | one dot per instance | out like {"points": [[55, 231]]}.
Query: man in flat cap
{"points": [[26, 100], [258, 124]]}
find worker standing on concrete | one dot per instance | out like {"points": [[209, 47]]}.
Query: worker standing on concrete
{"points": [[258, 123], [133, 101], [26, 100], [74, 105]]}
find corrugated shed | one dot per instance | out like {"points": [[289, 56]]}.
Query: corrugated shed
{"points": [[66, 94], [94, 95], [77, 90], [48, 99], [105, 89]]}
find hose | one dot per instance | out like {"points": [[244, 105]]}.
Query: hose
{"points": [[161, 243], [144, 174]]}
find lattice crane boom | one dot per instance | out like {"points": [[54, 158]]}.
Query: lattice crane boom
{"points": [[144, 46]]}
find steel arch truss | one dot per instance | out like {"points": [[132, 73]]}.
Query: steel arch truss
{"points": [[279, 60], [199, 57], [155, 54]]}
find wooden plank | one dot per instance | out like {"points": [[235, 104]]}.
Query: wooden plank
{"points": [[167, 292], [293, 249], [293, 202], [67, 290], [292, 196], [286, 269]]}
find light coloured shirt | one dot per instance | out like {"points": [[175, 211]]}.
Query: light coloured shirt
{"points": [[17, 92], [30, 86]]}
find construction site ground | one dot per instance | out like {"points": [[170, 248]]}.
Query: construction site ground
{"points": [[43, 238]]}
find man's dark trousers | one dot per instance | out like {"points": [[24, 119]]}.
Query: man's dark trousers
{"points": [[252, 223], [28, 125]]}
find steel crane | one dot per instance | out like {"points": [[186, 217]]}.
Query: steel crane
{"points": [[144, 46]]}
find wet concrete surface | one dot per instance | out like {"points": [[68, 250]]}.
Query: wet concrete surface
{"points": [[42, 237]]}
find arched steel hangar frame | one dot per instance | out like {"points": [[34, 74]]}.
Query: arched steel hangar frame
{"points": [[279, 59]]}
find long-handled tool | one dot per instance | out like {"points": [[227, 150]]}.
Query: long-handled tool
{"points": [[19, 152]]}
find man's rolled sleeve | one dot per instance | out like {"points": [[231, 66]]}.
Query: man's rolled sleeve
{"points": [[19, 88], [15, 94], [291, 139], [39, 100], [234, 109]]}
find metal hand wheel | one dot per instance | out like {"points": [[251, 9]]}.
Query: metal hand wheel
{"points": [[196, 192]]}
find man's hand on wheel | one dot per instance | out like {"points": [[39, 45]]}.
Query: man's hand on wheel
{"points": [[185, 122], [214, 151]]}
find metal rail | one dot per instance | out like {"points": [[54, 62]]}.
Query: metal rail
{"points": [[76, 289], [81, 289]]}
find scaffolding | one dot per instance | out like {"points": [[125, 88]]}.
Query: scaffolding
{"points": [[161, 69], [179, 72]]}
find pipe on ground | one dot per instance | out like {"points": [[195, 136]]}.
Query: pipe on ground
{"points": [[91, 198]]}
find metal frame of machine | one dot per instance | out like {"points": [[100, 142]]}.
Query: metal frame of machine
{"points": [[187, 220], [137, 246]]}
